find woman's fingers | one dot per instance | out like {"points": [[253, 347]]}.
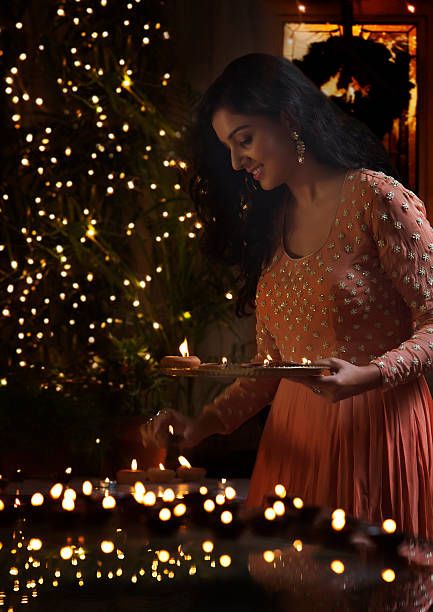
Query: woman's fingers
{"points": [[164, 424]]}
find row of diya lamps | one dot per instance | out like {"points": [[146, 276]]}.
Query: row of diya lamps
{"points": [[166, 511], [185, 361], [161, 475]]}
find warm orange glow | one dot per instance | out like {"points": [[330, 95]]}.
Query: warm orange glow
{"points": [[225, 560], [230, 492], [269, 556], [163, 556], [388, 575], [297, 545], [279, 508], [410, 7], [183, 348], [330, 88], [226, 517], [179, 510], [168, 495], [87, 487], [68, 504], [37, 499], [280, 490], [149, 498], [139, 488], [109, 502], [35, 544], [338, 519], [298, 503], [107, 546], [66, 552], [209, 505], [161, 466], [207, 546], [134, 464], [56, 490], [337, 566], [164, 514], [184, 461], [389, 525], [270, 514]]}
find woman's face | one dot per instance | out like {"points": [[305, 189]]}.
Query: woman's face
{"points": [[258, 144]]}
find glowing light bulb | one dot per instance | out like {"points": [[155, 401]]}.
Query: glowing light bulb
{"points": [[107, 546]]}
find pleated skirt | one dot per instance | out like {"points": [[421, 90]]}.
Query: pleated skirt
{"points": [[371, 454]]}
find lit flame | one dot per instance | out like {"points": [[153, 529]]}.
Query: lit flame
{"points": [[171, 430], [183, 348], [161, 466], [330, 88], [184, 462], [305, 361], [224, 361], [134, 465]]}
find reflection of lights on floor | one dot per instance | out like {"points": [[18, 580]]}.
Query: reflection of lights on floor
{"points": [[337, 566], [388, 575]]}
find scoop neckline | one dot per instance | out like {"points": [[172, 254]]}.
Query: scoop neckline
{"points": [[331, 229]]}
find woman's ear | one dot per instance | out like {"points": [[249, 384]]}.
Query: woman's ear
{"points": [[288, 122]]}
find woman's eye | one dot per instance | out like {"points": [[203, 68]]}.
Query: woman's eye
{"points": [[245, 141]]}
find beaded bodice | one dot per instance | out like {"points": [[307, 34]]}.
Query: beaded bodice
{"points": [[338, 301]]}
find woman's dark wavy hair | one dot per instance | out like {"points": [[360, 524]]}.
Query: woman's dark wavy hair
{"points": [[239, 225]]}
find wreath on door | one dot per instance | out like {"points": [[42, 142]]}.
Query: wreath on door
{"points": [[363, 77]]}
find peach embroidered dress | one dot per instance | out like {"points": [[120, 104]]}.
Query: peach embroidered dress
{"points": [[365, 296]]}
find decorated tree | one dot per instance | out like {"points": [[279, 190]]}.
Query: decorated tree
{"points": [[100, 268]]}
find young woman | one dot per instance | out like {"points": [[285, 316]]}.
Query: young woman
{"points": [[336, 256]]}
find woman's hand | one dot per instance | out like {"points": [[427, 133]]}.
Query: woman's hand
{"points": [[190, 431], [345, 379]]}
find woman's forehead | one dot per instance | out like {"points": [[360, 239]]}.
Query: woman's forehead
{"points": [[226, 123]]}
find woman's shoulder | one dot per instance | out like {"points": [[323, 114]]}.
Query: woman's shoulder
{"points": [[381, 182], [386, 200], [384, 188]]}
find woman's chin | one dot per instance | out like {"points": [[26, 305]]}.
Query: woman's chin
{"points": [[268, 185]]}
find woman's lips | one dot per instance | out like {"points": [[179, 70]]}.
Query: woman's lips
{"points": [[257, 173]]}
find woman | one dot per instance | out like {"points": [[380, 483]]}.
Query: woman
{"points": [[337, 258]]}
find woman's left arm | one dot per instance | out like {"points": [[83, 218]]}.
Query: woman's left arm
{"points": [[404, 239]]}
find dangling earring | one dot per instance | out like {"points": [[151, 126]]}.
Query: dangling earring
{"points": [[249, 183], [300, 147]]}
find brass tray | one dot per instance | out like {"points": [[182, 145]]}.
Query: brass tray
{"points": [[247, 370]]}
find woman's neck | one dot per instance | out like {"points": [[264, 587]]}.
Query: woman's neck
{"points": [[314, 183]]}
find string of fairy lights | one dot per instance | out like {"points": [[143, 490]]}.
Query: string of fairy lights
{"points": [[82, 188]]}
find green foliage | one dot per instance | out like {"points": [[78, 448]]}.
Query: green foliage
{"points": [[100, 265]]}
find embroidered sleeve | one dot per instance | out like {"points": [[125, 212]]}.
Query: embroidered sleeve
{"points": [[404, 240], [247, 396]]}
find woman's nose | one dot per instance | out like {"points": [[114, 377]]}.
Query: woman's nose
{"points": [[237, 162]]}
